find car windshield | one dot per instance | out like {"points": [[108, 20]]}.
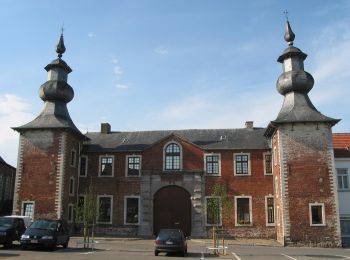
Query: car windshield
{"points": [[6, 222], [169, 234], [44, 224]]}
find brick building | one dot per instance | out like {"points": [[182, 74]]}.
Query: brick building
{"points": [[7, 185], [280, 179]]}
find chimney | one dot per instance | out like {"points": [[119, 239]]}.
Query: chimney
{"points": [[249, 124], [105, 128]]}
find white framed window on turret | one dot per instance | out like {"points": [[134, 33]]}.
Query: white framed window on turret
{"points": [[28, 209], [104, 209], [83, 166], [133, 165], [106, 166], [131, 210], [212, 164], [172, 156], [243, 209], [267, 163], [317, 214], [241, 164]]}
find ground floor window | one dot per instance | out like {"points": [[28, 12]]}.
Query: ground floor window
{"points": [[270, 211], [131, 209], [317, 215], [213, 205], [345, 229], [243, 207], [104, 204], [28, 209]]}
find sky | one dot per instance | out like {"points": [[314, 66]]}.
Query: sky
{"points": [[169, 64]]}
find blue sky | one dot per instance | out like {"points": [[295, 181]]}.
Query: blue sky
{"points": [[169, 64]]}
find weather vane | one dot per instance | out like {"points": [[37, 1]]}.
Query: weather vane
{"points": [[62, 28], [286, 14]]}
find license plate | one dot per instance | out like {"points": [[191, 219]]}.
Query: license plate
{"points": [[169, 242], [34, 241]]}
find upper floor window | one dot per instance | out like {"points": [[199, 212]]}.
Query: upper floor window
{"points": [[133, 165], [343, 179], [106, 166], [83, 166], [172, 157], [212, 164], [71, 186], [242, 164], [267, 163], [73, 156]]}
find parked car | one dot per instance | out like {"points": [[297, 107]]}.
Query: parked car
{"points": [[27, 220], [11, 229], [170, 240], [46, 233]]}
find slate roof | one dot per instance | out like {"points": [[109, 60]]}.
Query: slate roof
{"points": [[207, 139], [2, 161]]}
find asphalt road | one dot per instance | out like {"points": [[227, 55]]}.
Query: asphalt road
{"points": [[130, 249]]}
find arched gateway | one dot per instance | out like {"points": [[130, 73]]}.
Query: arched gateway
{"points": [[172, 209]]}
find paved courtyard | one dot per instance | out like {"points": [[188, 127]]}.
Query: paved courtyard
{"points": [[130, 249]]}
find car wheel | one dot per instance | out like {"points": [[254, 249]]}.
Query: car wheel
{"points": [[156, 252]]}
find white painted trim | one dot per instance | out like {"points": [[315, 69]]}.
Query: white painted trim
{"points": [[100, 164], [250, 211], [181, 154], [86, 165], [323, 214], [98, 208], [266, 211], [234, 164], [60, 173], [138, 211], [264, 162], [70, 206], [127, 165], [71, 186], [205, 164], [206, 210], [22, 208]]}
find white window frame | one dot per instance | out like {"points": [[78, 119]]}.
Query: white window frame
{"points": [[264, 160], [70, 208], [234, 164], [219, 164], [127, 165], [86, 166], [206, 211], [348, 181], [27, 202], [100, 164], [164, 162], [73, 160], [98, 209], [250, 211], [71, 186], [125, 207], [323, 214], [267, 213]]}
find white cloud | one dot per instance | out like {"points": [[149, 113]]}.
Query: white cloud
{"points": [[122, 86], [14, 111], [91, 34], [161, 50], [118, 70], [115, 61]]}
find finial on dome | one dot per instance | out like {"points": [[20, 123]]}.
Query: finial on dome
{"points": [[60, 46], [289, 36]]}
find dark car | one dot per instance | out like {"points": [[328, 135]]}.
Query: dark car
{"points": [[46, 233], [170, 240], [11, 229]]}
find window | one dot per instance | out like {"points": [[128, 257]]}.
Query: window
{"points": [[104, 209], [70, 213], [345, 226], [270, 211], [72, 158], [317, 215], [172, 157], [243, 208], [106, 166], [83, 166], [267, 163], [131, 210], [28, 209], [241, 164], [71, 186], [343, 179], [213, 211], [134, 165], [212, 164]]}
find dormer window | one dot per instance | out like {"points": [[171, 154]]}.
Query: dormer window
{"points": [[172, 157]]}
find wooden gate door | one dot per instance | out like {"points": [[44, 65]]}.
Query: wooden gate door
{"points": [[172, 209]]}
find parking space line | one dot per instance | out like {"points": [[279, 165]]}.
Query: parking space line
{"points": [[236, 256], [289, 257]]}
